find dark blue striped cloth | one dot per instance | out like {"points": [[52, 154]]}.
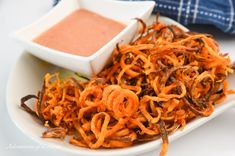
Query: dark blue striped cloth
{"points": [[220, 13]]}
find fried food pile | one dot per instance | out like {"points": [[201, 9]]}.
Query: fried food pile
{"points": [[154, 86]]}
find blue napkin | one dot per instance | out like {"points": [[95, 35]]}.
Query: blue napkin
{"points": [[220, 13]]}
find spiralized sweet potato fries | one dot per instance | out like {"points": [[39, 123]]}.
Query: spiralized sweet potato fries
{"points": [[154, 86]]}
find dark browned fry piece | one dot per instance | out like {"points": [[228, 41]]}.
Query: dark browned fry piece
{"points": [[209, 93], [164, 136], [143, 27], [172, 128], [163, 66], [209, 35], [144, 138], [233, 65], [100, 80], [168, 74], [172, 31], [218, 96], [40, 102], [206, 112], [202, 101], [117, 47], [157, 17], [123, 139], [167, 34], [57, 132], [224, 54], [30, 111], [25, 107], [178, 33]]}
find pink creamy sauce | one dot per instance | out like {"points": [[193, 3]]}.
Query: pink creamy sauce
{"points": [[81, 33]]}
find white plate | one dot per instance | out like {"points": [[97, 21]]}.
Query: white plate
{"points": [[121, 11], [26, 78]]}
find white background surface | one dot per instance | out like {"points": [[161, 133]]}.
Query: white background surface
{"points": [[214, 138]]}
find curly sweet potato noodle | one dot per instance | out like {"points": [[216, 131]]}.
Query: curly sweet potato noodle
{"points": [[154, 86]]}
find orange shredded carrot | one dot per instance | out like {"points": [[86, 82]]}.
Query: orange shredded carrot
{"points": [[154, 86]]}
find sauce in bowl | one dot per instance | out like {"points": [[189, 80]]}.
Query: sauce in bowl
{"points": [[81, 33]]}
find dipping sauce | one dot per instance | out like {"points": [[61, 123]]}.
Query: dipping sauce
{"points": [[81, 33]]}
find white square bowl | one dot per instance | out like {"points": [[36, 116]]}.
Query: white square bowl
{"points": [[121, 11]]}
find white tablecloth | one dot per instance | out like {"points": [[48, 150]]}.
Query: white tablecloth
{"points": [[214, 138]]}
